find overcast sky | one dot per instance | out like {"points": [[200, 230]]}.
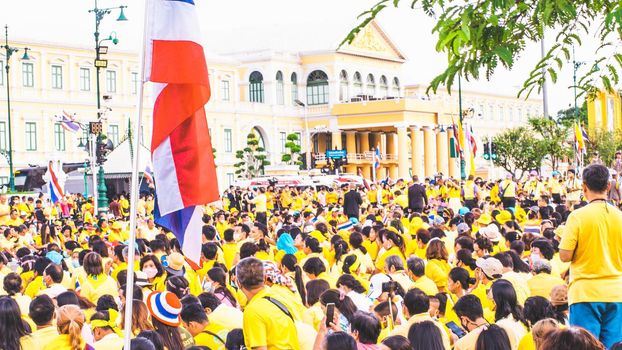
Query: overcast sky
{"points": [[226, 24]]}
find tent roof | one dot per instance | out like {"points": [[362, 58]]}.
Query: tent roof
{"points": [[120, 162]]}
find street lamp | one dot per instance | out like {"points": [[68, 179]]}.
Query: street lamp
{"points": [[100, 13], [308, 153], [9, 50]]}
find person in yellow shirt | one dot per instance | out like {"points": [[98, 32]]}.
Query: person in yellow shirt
{"points": [[592, 243], [543, 282], [416, 272], [268, 323], [69, 322], [106, 333], [393, 245], [437, 268], [14, 219], [42, 314], [96, 282], [124, 205], [471, 314], [117, 233], [205, 332]]}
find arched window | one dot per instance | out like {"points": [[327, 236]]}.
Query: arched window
{"points": [[357, 84], [294, 80], [280, 99], [317, 88], [396, 87], [371, 85], [343, 86], [261, 142], [255, 87], [384, 86]]}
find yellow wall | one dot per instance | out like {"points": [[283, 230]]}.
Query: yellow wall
{"points": [[603, 107]]}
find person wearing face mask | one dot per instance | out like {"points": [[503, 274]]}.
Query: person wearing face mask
{"points": [[156, 275], [471, 314], [52, 277], [216, 282]]}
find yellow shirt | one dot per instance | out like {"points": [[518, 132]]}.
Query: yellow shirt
{"points": [[94, 287], [542, 284], [230, 250], [61, 342], [266, 325], [213, 336], [111, 341], [393, 251], [438, 271], [227, 316], [594, 277], [527, 343], [426, 285], [45, 335], [404, 328], [313, 316]]}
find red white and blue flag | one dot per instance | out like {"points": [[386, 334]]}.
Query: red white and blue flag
{"points": [[148, 173], [68, 123], [55, 189], [183, 163], [377, 157]]}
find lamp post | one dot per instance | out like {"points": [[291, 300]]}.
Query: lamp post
{"points": [[461, 117], [9, 50], [100, 13], [307, 148]]}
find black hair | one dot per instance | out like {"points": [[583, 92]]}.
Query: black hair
{"points": [[106, 302], [137, 291], [209, 232], [397, 342], [340, 341], [209, 300], [416, 301], [291, 263], [341, 248], [40, 264], [465, 242], [596, 178], [367, 326], [12, 326], [154, 337], [140, 343], [248, 249], [425, 336], [517, 262], [505, 260], [12, 284], [504, 295], [41, 310], [546, 247], [348, 262], [178, 285], [219, 275], [193, 313], [350, 282], [538, 308], [469, 306], [493, 337], [235, 339], [314, 266], [228, 234], [314, 289], [55, 272], [461, 275], [343, 303], [466, 257], [102, 315], [313, 244], [209, 250], [356, 241]]}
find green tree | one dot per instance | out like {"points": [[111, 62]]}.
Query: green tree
{"points": [[553, 139], [606, 143], [568, 117], [480, 36], [293, 156], [252, 158], [518, 151]]}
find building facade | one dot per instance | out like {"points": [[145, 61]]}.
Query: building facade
{"points": [[350, 97]]}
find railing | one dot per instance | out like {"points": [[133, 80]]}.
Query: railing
{"points": [[366, 156]]}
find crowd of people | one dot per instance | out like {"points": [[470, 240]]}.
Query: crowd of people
{"points": [[435, 264]]}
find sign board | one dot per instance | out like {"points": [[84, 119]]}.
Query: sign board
{"points": [[336, 154], [101, 63]]}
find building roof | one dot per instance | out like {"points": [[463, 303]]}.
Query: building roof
{"points": [[120, 162]]}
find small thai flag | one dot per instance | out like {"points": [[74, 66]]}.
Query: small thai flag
{"points": [[68, 123], [56, 191], [377, 157]]}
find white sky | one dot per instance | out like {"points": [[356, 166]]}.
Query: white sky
{"points": [[226, 23]]}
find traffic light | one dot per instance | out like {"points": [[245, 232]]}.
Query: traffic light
{"points": [[486, 151], [493, 150]]}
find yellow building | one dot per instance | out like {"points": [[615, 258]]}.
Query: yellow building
{"points": [[353, 99], [604, 112]]}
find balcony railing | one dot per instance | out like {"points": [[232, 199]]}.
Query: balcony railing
{"points": [[355, 157]]}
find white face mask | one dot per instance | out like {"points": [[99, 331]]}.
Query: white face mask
{"points": [[151, 272], [208, 286]]}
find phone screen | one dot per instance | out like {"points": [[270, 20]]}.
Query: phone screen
{"points": [[330, 313], [455, 329]]}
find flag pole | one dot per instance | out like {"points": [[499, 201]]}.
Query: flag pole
{"points": [[129, 289]]}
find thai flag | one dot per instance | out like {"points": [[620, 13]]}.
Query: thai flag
{"points": [[148, 173], [54, 187], [377, 157], [584, 134], [345, 225], [183, 162], [68, 123]]}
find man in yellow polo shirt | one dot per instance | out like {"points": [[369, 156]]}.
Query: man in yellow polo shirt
{"points": [[592, 243], [204, 331], [268, 323]]}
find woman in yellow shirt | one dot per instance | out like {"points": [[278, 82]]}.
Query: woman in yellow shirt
{"points": [[69, 320], [15, 334], [393, 244], [96, 282], [151, 266], [437, 269]]}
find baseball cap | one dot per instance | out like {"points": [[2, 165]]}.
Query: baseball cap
{"points": [[462, 211], [484, 219], [491, 232], [491, 267], [462, 228], [503, 217]]}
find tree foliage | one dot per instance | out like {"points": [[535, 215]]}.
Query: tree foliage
{"points": [[479, 36], [252, 159], [554, 138], [518, 151], [293, 156], [568, 117], [606, 143]]}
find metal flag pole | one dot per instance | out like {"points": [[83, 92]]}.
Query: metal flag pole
{"points": [[129, 290]]}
